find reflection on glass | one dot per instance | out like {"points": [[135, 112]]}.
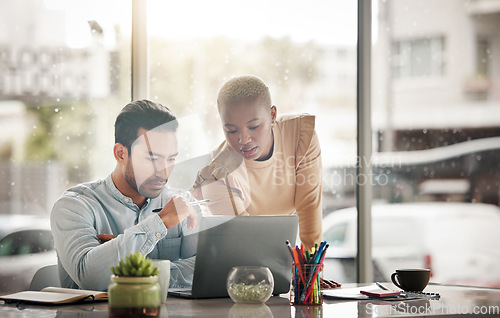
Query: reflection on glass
{"points": [[64, 74], [308, 311], [250, 310]]}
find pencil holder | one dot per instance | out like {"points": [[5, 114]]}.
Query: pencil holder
{"points": [[306, 285]]}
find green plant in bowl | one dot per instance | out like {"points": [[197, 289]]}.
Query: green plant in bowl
{"points": [[134, 290], [135, 265]]}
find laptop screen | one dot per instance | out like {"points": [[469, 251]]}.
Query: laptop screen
{"points": [[228, 241]]}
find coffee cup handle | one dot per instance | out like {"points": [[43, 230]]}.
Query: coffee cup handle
{"points": [[394, 278]]}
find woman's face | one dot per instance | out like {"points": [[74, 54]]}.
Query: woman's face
{"points": [[247, 127]]}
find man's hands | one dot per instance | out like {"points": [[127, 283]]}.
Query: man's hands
{"points": [[175, 211]]}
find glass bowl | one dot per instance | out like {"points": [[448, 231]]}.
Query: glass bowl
{"points": [[250, 284]]}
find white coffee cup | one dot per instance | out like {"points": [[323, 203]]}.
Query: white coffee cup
{"points": [[163, 276]]}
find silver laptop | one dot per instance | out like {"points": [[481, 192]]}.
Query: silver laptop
{"points": [[228, 241]]}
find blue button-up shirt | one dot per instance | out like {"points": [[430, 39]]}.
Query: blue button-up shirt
{"points": [[94, 208]]}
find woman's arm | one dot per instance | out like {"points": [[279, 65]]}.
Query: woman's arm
{"points": [[308, 194], [227, 190]]}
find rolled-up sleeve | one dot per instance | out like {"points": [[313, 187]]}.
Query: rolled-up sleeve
{"points": [[75, 224], [182, 270]]}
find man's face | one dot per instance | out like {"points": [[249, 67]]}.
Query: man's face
{"points": [[151, 161]]}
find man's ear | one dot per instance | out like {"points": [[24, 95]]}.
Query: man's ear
{"points": [[120, 152]]}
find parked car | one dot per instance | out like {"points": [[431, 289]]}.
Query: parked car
{"points": [[457, 241], [26, 244]]}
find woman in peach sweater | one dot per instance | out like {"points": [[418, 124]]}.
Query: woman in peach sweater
{"points": [[267, 164]]}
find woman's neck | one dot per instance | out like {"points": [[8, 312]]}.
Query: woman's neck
{"points": [[270, 154]]}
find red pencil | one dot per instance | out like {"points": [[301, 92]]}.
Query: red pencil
{"points": [[298, 265], [310, 288]]}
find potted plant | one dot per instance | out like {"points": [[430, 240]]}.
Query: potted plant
{"points": [[134, 290]]}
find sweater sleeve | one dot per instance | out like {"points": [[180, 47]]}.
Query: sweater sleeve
{"points": [[308, 184], [225, 182]]}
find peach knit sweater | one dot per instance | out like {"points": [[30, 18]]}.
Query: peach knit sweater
{"points": [[288, 182]]}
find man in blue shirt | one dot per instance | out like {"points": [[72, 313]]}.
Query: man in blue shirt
{"points": [[98, 223]]}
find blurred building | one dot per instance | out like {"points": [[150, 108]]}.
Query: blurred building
{"points": [[42, 64], [437, 70]]}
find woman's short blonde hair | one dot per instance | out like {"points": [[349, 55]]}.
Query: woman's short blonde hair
{"points": [[242, 88]]}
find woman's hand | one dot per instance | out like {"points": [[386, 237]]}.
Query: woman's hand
{"points": [[328, 284]]}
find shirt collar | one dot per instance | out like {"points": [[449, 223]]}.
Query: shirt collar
{"points": [[113, 190]]}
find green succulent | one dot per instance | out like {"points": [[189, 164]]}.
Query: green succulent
{"points": [[135, 265]]}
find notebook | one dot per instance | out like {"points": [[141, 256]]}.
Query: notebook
{"points": [[55, 296], [228, 241]]}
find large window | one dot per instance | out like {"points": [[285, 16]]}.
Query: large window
{"points": [[64, 75], [306, 54], [436, 106]]}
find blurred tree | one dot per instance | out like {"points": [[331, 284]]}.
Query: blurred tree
{"points": [[63, 133], [288, 67], [181, 71], [186, 75]]}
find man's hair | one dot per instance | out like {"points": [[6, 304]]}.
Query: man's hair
{"points": [[142, 114], [242, 88]]}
